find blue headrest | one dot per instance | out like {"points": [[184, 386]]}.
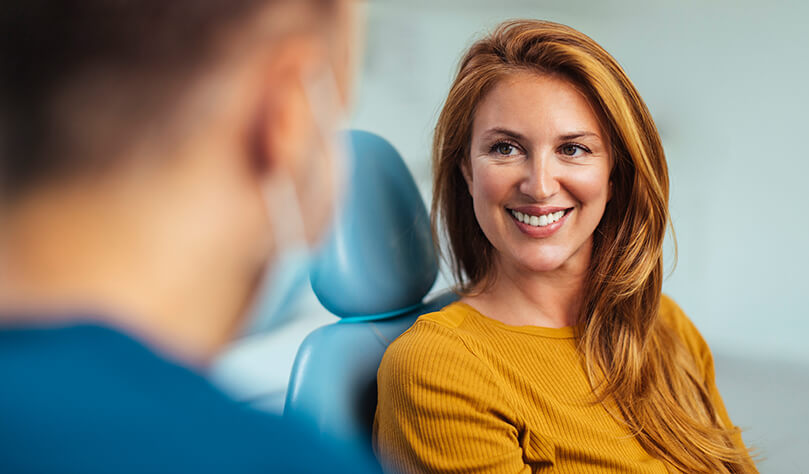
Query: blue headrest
{"points": [[379, 260]]}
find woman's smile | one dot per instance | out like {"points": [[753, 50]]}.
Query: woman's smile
{"points": [[539, 222]]}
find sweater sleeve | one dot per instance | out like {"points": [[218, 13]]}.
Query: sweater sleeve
{"points": [[702, 354], [441, 409]]}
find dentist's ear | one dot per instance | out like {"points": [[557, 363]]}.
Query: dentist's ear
{"points": [[295, 134], [282, 124]]}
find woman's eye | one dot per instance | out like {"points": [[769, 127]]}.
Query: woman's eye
{"points": [[572, 149], [504, 148]]}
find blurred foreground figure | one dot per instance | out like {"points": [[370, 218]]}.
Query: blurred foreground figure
{"points": [[161, 162]]}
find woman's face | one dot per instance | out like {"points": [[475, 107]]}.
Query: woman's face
{"points": [[538, 172]]}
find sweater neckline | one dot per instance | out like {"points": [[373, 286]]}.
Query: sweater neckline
{"points": [[567, 332]]}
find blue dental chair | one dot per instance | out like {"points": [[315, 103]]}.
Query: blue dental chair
{"points": [[373, 273]]}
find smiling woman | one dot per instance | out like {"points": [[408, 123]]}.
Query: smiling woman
{"points": [[562, 353]]}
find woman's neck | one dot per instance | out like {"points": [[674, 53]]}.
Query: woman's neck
{"points": [[521, 297]]}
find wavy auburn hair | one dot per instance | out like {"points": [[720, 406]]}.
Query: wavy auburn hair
{"points": [[629, 355]]}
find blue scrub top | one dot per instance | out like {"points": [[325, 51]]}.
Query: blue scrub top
{"points": [[89, 399]]}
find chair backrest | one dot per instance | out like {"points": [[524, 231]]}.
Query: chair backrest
{"points": [[373, 272]]}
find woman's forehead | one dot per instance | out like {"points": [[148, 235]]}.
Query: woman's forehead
{"points": [[535, 105]]}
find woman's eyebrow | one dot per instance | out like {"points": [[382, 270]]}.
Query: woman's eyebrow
{"points": [[519, 136], [578, 134], [503, 131]]}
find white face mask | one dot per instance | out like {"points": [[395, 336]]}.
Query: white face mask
{"points": [[289, 272]]}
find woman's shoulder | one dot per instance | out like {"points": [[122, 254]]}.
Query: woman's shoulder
{"points": [[437, 339], [446, 325], [450, 317], [675, 318]]}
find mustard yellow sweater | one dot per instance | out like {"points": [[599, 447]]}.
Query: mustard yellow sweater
{"points": [[463, 393]]}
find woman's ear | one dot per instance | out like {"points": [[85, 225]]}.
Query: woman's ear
{"points": [[466, 171]]}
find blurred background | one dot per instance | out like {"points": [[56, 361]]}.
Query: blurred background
{"points": [[726, 84]]}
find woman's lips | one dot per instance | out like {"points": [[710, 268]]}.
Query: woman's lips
{"points": [[539, 222]]}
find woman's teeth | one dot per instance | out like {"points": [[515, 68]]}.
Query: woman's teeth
{"points": [[538, 221]]}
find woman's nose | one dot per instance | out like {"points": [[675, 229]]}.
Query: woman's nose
{"points": [[541, 180]]}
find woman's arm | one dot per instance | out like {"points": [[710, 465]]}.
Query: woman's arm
{"points": [[693, 340], [441, 409]]}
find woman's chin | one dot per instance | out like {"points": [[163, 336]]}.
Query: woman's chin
{"points": [[543, 265], [551, 258]]}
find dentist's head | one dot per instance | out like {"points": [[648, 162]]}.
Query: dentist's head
{"points": [[158, 158]]}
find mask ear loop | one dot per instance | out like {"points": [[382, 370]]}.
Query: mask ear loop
{"points": [[285, 214], [292, 258], [287, 269], [322, 93]]}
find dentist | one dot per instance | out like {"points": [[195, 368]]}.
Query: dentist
{"points": [[160, 165]]}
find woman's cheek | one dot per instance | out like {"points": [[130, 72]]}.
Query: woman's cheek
{"points": [[590, 188], [495, 183]]}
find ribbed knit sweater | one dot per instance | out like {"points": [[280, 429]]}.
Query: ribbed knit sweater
{"points": [[462, 393]]}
